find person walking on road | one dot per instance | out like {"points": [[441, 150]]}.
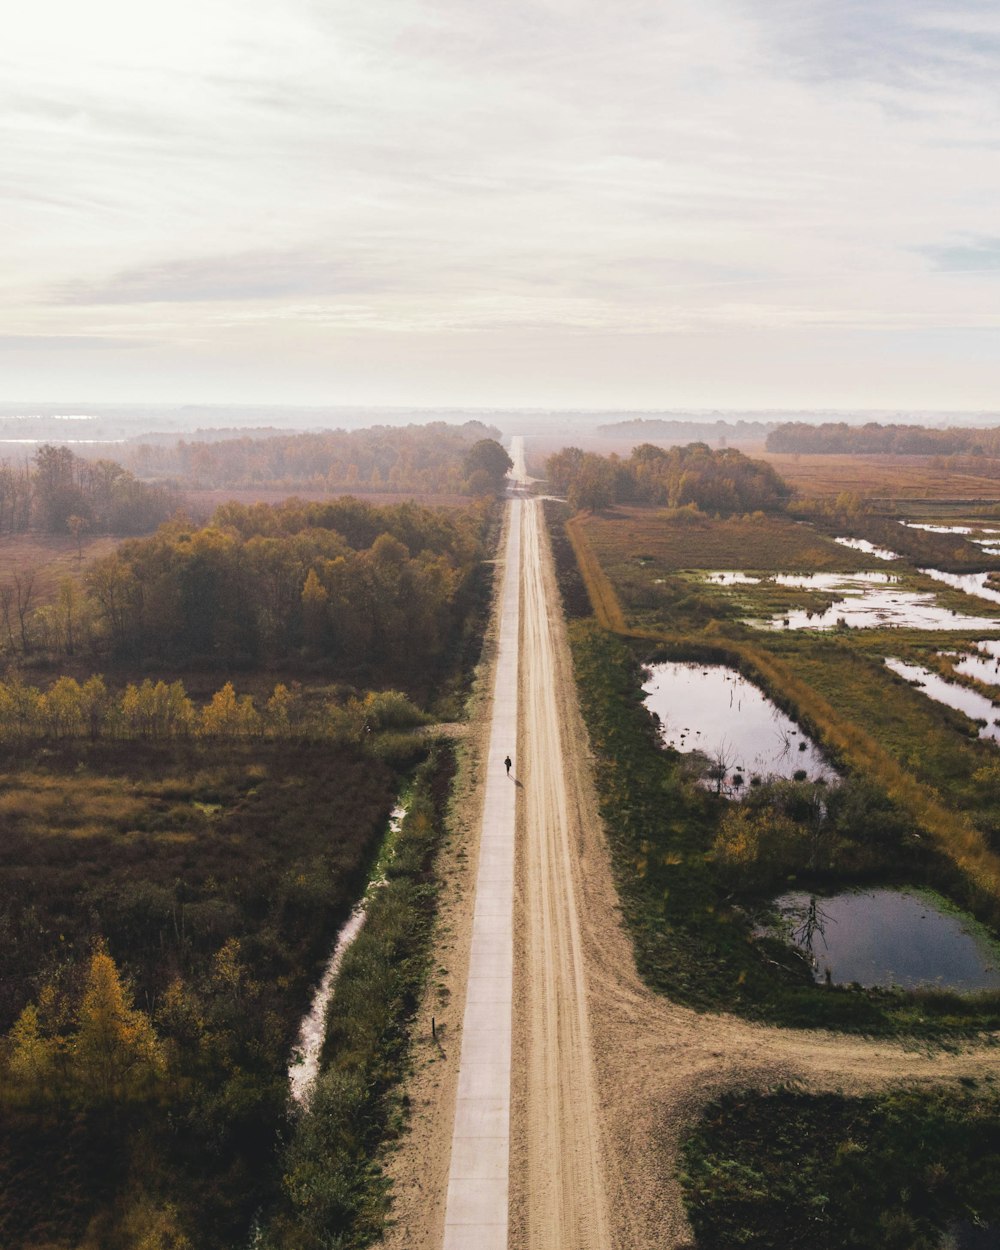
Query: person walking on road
{"points": [[507, 763]]}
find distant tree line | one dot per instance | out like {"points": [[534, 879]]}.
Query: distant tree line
{"points": [[674, 430], [838, 438], [58, 492], [723, 482], [428, 459]]}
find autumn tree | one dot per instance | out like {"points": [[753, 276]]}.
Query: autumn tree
{"points": [[486, 465], [115, 1049]]}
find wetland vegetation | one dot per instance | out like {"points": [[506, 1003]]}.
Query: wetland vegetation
{"points": [[703, 878]]}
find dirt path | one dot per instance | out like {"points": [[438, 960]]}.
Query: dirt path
{"points": [[607, 1076], [557, 1186]]}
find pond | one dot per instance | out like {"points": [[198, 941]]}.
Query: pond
{"points": [[975, 705], [886, 938], [718, 712]]}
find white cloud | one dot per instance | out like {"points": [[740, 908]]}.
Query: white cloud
{"points": [[268, 180]]}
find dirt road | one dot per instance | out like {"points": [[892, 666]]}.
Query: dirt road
{"points": [[557, 1184]]}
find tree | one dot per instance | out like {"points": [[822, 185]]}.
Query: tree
{"points": [[116, 1049], [229, 716], [314, 610], [76, 526], [489, 458], [31, 1055]]}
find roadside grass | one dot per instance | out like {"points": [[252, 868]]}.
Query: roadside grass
{"points": [[334, 1192], [791, 1171]]}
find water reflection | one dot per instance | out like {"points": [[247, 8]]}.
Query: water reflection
{"points": [[890, 938], [879, 607], [870, 600], [975, 584], [975, 705], [984, 666], [719, 713], [862, 544]]}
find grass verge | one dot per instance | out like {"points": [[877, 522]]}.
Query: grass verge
{"points": [[333, 1192]]}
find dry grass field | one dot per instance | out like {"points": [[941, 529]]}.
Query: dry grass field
{"points": [[51, 557], [651, 536], [890, 477]]}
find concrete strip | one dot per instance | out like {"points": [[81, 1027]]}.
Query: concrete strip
{"points": [[476, 1211]]}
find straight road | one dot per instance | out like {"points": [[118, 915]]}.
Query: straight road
{"points": [[557, 1157], [563, 1188], [476, 1212]]}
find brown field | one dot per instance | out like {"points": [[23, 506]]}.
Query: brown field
{"points": [[52, 557], [202, 503], [637, 535], [890, 477]]}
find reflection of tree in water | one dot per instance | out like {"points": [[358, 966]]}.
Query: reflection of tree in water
{"points": [[809, 921]]}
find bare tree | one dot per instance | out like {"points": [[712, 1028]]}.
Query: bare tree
{"points": [[24, 594], [6, 610]]}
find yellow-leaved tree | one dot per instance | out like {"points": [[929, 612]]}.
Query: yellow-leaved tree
{"points": [[228, 716], [116, 1051]]}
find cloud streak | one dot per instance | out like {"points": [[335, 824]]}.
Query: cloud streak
{"points": [[265, 178]]}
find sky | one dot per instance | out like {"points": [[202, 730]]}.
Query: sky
{"points": [[567, 203]]}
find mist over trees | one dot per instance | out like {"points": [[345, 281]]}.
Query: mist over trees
{"points": [[418, 458], [723, 482], [838, 438], [59, 492]]}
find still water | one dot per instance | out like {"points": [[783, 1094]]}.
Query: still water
{"points": [[975, 705], [985, 665], [862, 544], [716, 711], [972, 583], [890, 938]]}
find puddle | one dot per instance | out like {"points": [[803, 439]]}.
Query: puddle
{"points": [[862, 544], [714, 710], [890, 938], [732, 579], [976, 706], [304, 1066], [849, 583]]}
